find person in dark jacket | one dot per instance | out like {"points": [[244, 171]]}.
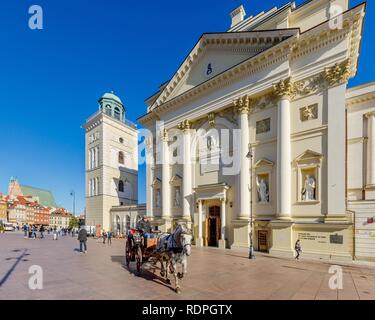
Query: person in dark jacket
{"points": [[298, 249], [41, 231], [82, 238], [144, 225]]}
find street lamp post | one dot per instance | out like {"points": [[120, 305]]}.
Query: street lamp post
{"points": [[250, 156], [73, 194]]}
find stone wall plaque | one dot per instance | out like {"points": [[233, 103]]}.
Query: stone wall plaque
{"points": [[263, 126], [309, 112], [336, 239]]}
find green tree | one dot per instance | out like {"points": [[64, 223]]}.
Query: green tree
{"points": [[73, 223]]}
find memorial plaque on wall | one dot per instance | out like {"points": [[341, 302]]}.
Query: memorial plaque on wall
{"points": [[336, 239]]}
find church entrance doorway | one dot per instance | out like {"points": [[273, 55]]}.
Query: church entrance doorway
{"points": [[213, 226]]}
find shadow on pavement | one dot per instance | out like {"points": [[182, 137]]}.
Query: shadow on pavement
{"points": [[145, 274], [18, 260]]}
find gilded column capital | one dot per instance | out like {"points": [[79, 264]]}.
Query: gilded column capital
{"points": [[185, 126], [211, 119], [370, 115], [285, 89], [243, 104], [338, 74], [164, 134]]}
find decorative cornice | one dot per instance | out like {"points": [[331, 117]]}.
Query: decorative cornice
{"points": [[285, 89], [360, 99]]}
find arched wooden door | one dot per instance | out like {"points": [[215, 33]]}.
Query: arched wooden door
{"points": [[213, 224]]}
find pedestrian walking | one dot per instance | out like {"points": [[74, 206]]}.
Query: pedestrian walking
{"points": [[54, 233], [104, 235], [41, 231], [109, 237], [82, 238], [298, 249], [25, 227], [34, 232]]}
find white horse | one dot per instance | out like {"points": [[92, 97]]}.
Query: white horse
{"points": [[174, 250]]}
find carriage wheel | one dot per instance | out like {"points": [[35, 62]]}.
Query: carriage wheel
{"points": [[127, 253], [139, 259]]}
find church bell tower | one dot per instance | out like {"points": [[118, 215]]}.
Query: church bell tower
{"points": [[111, 161]]}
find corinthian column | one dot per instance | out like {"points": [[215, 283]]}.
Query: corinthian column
{"points": [[285, 91], [371, 150], [149, 176], [187, 185], [166, 201], [336, 79], [243, 105]]}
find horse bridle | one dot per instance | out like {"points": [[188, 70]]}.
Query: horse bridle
{"points": [[183, 247]]}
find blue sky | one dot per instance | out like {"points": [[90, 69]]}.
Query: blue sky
{"points": [[50, 80]]}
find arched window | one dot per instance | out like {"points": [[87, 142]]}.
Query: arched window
{"points": [[121, 158], [117, 114], [121, 186], [108, 110]]}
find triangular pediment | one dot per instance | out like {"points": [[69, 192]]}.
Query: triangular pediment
{"points": [[309, 155], [156, 182], [175, 178], [264, 163], [216, 53]]}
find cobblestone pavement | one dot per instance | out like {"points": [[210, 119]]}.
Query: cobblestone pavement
{"points": [[213, 274]]}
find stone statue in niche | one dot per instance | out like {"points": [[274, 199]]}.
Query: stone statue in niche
{"points": [[262, 188], [158, 199], [209, 143], [177, 202], [309, 188]]}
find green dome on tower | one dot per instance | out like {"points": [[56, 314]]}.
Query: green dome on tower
{"points": [[111, 96], [112, 106]]}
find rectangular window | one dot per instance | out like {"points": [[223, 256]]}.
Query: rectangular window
{"points": [[263, 126]]}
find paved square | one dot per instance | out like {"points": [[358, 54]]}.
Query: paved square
{"points": [[213, 274]]}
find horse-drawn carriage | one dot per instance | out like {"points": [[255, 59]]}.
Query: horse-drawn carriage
{"points": [[139, 247], [168, 249]]}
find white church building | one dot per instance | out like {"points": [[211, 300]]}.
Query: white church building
{"points": [[257, 131]]}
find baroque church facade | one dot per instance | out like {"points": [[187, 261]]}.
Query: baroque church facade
{"points": [[306, 151], [270, 98]]}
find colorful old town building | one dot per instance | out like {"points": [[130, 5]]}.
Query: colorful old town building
{"points": [[60, 218], [3, 209], [42, 216]]}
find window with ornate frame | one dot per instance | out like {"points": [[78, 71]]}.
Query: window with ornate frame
{"points": [[121, 158], [263, 182], [176, 183], [156, 187], [308, 166]]}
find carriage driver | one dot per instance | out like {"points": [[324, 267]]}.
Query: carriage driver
{"points": [[145, 226]]}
